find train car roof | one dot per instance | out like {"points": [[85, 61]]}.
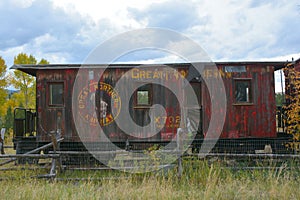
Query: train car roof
{"points": [[31, 69]]}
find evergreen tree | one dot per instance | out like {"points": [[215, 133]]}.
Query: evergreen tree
{"points": [[9, 119], [279, 97]]}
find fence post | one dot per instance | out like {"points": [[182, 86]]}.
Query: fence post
{"points": [[2, 140], [179, 151], [55, 148]]}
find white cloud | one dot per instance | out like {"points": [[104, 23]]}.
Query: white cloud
{"points": [[22, 3], [96, 9], [239, 31], [176, 15]]}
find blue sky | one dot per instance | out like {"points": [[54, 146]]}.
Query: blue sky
{"points": [[65, 31]]}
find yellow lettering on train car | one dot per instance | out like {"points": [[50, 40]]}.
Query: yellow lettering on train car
{"points": [[165, 74], [167, 121]]}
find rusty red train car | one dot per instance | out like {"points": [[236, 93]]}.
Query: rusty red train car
{"points": [[297, 65], [68, 95]]}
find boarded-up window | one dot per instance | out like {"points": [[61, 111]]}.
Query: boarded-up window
{"points": [[56, 94], [243, 91]]}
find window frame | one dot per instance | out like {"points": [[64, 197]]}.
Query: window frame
{"points": [[235, 69], [49, 94], [150, 95], [250, 92]]}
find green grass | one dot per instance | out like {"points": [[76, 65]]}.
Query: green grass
{"points": [[200, 180]]}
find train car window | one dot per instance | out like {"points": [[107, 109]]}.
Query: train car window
{"points": [[235, 69], [243, 91], [56, 94], [143, 95]]}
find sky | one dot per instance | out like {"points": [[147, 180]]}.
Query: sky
{"points": [[66, 31]]}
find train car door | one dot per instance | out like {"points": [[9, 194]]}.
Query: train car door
{"points": [[194, 110], [55, 107]]}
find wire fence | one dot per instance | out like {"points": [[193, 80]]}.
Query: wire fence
{"points": [[52, 165]]}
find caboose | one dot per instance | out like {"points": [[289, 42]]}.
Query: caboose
{"points": [[61, 104]]}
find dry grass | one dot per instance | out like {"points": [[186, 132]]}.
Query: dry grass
{"points": [[200, 181]]}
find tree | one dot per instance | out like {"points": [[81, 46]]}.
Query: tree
{"points": [[293, 105], [279, 97], [21, 80], [24, 82], [3, 84], [9, 118], [43, 62]]}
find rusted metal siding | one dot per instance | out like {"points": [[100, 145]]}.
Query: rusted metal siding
{"points": [[297, 65], [247, 119], [243, 120], [48, 115]]}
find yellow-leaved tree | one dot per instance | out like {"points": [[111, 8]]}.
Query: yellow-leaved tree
{"points": [[23, 82], [3, 93], [292, 121]]}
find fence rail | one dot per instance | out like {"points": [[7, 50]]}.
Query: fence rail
{"points": [[236, 157]]}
